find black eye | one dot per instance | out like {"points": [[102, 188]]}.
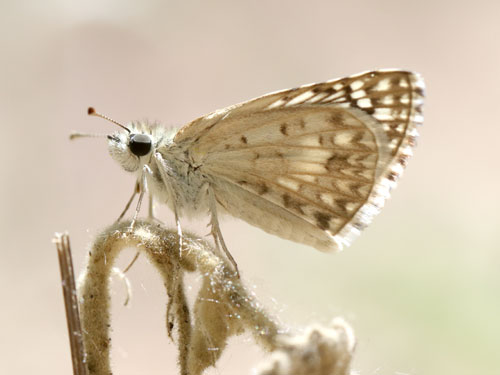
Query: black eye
{"points": [[140, 144]]}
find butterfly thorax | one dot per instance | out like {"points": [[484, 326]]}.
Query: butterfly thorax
{"points": [[186, 184]]}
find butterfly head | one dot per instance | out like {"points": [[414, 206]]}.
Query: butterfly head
{"points": [[130, 149], [130, 146]]}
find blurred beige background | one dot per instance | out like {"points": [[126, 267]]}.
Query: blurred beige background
{"points": [[420, 286]]}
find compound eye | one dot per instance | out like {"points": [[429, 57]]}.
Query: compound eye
{"points": [[140, 144]]}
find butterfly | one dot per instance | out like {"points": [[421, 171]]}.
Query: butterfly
{"points": [[312, 164]]}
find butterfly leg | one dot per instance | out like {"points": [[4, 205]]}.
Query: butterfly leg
{"points": [[216, 232], [151, 214], [164, 176], [137, 189], [141, 189]]}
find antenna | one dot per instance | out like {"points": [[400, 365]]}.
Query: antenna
{"points": [[75, 135], [92, 112]]}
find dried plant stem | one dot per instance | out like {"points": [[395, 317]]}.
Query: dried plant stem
{"points": [[71, 304], [222, 308]]}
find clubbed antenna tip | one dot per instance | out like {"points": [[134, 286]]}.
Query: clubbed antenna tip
{"points": [[92, 112]]}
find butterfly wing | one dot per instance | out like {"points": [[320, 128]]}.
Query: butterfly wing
{"points": [[312, 164]]}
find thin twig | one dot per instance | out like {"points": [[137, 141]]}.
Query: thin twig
{"points": [[71, 304]]}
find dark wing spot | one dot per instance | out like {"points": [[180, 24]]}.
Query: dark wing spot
{"points": [[359, 226], [395, 80], [322, 220], [329, 90], [226, 146], [403, 160], [263, 189], [244, 139], [358, 136], [336, 162], [283, 129], [292, 204], [320, 140], [375, 102], [392, 176], [354, 188], [337, 119], [342, 204]]}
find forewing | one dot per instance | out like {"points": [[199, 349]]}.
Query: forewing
{"points": [[312, 164]]}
